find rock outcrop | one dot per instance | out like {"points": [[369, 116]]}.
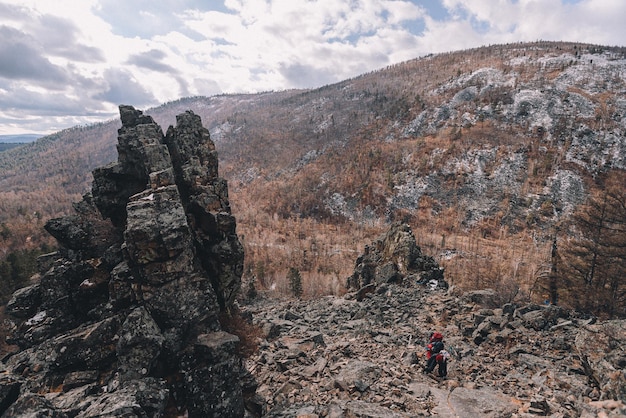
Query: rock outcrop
{"points": [[124, 320], [392, 258]]}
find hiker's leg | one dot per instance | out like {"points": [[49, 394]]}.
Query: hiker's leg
{"points": [[443, 368], [430, 364]]}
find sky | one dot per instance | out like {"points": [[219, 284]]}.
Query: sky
{"points": [[72, 62]]}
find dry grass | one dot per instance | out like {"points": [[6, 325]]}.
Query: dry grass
{"points": [[324, 253], [248, 333], [486, 256], [511, 265]]}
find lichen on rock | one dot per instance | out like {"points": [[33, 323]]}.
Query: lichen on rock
{"points": [[126, 311]]}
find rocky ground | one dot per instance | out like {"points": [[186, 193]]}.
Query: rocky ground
{"points": [[340, 357]]}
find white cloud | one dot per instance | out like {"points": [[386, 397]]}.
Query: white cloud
{"points": [[298, 43], [99, 53], [591, 21]]}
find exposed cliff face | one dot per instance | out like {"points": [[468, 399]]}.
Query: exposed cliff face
{"points": [[124, 321], [557, 118]]}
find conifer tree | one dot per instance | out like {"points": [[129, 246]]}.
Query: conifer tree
{"points": [[295, 282]]}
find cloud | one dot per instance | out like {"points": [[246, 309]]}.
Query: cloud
{"points": [[95, 54], [298, 75], [147, 18], [152, 60], [55, 35], [24, 109], [22, 103], [123, 88], [301, 43], [143, 18], [590, 21], [12, 12], [21, 58], [58, 37]]}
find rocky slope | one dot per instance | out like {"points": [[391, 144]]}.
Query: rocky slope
{"points": [[124, 318], [360, 355]]}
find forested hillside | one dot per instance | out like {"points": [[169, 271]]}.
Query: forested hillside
{"points": [[508, 162], [6, 146]]}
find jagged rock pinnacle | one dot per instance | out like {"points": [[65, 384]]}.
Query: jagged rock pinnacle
{"points": [[125, 316]]}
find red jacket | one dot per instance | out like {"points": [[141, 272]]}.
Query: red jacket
{"points": [[436, 337]]}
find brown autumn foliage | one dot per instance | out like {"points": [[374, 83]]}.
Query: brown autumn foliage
{"points": [[592, 268]]}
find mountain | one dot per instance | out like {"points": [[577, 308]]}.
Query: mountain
{"points": [[486, 153], [12, 141], [19, 138], [6, 146]]}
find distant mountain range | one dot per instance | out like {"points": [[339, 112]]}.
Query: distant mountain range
{"points": [[19, 138], [8, 142], [492, 142]]}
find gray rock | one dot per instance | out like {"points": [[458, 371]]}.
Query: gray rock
{"points": [[136, 398], [316, 368], [70, 231], [480, 333], [158, 239], [80, 378], [31, 405], [24, 302], [485, 297], [481, 403], [145, 266], [535, 320], [391, 258], [139, 345], [211, 373], [9, 391], [358, 374], [205, 197], [121, 293], [362, 409]]}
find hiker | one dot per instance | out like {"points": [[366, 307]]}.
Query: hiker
{"points": [[436, 355]]}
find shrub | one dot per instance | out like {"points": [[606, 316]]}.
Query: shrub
{"points": [[248, 333], [249, 291]]}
